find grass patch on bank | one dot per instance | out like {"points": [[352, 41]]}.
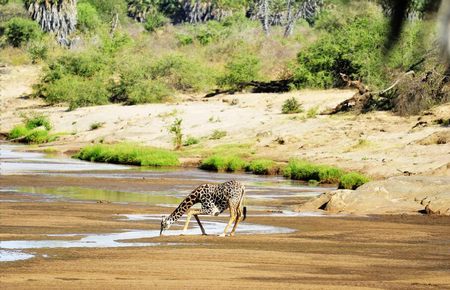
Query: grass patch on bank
{"points": [[35, 129], [306, 171], [223, 163], [352, 180], [263, 167], [128, 153]]}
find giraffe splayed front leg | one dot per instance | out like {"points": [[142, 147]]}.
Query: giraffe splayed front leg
{"points": [[195, 213]]}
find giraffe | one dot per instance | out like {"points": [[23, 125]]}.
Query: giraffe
{"points": [[214, 199]]}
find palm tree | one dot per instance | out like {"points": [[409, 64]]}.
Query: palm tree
{"points": [[55, 16]]}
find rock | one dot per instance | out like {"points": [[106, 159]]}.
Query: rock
{"points": [[396, 195], [436, 138]]}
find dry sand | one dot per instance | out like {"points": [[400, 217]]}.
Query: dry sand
{"points": [[379, 143], [389, 252]]}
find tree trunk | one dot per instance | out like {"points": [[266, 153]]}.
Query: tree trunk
{"points": [[266, 15], [55, 16]]}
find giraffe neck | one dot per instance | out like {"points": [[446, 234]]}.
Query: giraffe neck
{"points": [[186, 204]]}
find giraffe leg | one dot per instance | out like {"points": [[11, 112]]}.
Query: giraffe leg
{"points": [[200, 224], [238, 219], [232, 218], [192, 212]]}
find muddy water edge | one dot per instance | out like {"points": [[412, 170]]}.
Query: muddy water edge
{"points": [[71, 224]]}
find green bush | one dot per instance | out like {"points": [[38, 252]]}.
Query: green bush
{"points": [[38, 51], [18, 131], [352, 180], [76, 91], [154, 21], [147, 91], [88, 18], [211, 31], [218, 134], [184, 39], [19, 31], [127, 153], [240, 70], [262, 167], [354, 48], [38, 136], [181, 74], [223, 163], [306, 171], [191, 141], [291, 106], [37, 120]]}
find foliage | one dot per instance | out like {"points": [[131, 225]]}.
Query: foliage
{"points": [[240, 70], [218, 134], [88, 18], [34, 130], [147, 91], [262, 167], [354, 49], [223, 163], [352, 180], [312, 112], [38, 51], [37, 120], [303, 170], [291, 106], [155, 21], [191, 141], [175, 130], [128, 153], [19, 31]]}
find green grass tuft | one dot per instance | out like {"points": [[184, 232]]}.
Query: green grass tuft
{"points": [[127, 153], [263, 167], [352, 180], [303, 170], [223, 163]]}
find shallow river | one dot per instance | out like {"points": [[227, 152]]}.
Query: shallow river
{"points": [[264, 193]]}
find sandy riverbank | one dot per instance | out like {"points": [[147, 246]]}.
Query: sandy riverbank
{"points": [[388, 252], [379, 144]]}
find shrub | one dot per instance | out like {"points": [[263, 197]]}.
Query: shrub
{"points": [[38, 136], [312, 112], [37, 120], [38, 51], [240, 70], [352, 180], [190, 141], [147, 91], [127, 153], [211, 31], [182, 74], [154, 21], [218, 134], [175, 130], [88, 18], [223, 163], [291, 106], [18, 131], [96, 125], [306, 171], [19, 30], [262, 167], [355, 49], [184, 39]]}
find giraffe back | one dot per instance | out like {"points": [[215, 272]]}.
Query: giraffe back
{"points": [[215, 198]]}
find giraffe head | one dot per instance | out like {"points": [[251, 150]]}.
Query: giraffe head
{"points": [[165, 224]]}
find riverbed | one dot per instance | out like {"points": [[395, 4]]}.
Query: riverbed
{"points": [[70, 224]]}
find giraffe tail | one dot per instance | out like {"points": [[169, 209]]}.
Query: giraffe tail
{"points": [[244, 212]]}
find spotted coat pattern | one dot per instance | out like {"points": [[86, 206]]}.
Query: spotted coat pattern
{"points": [[214, 199]]}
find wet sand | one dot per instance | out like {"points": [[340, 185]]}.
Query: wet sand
{"points": [[376, 252]]}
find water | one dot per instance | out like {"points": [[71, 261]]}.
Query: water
{"points": [[262, 191]]}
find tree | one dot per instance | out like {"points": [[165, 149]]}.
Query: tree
{"points": [[55, 16]]}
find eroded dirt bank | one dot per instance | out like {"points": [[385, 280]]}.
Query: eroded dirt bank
{"points": [[376, 252]]}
